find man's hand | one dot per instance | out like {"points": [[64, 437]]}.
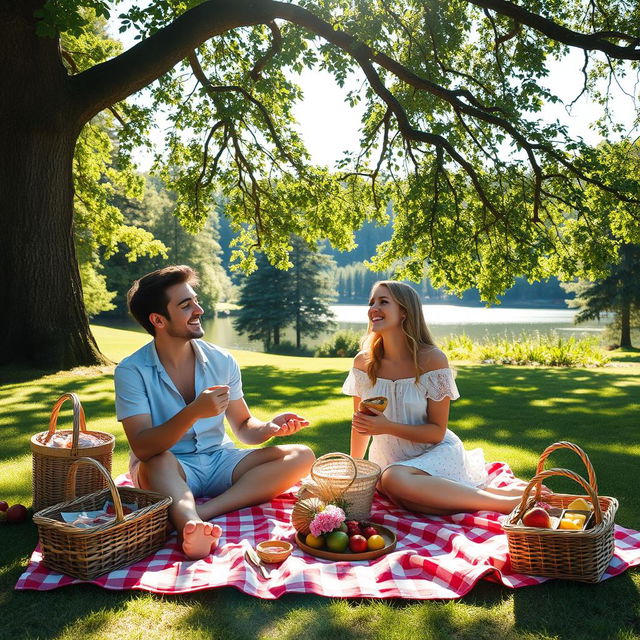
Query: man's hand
{"points": [[212, 401], [287, 424]]}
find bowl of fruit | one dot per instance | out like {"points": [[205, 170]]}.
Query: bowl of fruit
{"points": [[351, 541]]}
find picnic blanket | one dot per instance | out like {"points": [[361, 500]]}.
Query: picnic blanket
{"points": [[435, 557]]}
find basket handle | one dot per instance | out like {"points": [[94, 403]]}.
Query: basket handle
{"points": [[576, 449], [71, 484], [537, 479], [329, 456], [79, 422]]}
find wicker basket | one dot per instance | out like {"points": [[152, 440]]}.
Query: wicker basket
{"points": [[51, 464], [89, 553], [339, 476], [559, 553]]}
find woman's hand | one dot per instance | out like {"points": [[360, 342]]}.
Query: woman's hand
{"points": [[367, 425]]}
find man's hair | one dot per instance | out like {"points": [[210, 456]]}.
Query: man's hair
{"points": [[149, 294]]}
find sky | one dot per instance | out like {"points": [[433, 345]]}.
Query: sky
{"points": [[328, 125]]}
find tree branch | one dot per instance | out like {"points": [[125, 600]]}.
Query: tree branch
{"points": [[594, 41], [105, 84]]}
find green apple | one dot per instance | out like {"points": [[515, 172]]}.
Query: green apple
{"points": [[337, 541]]}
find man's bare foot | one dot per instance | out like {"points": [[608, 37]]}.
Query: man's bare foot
{"points": [[199, 538]]}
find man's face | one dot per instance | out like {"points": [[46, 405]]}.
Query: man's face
{"points": [[184, 313]]}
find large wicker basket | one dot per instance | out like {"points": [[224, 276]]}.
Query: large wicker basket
{"points": [[89, 553], [339, 476], [51, 464], [558, 553]]}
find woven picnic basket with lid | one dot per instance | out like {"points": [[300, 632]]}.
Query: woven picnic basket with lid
{"points": [[91, 552], [50, 464], [339, 476], [582, 555]]}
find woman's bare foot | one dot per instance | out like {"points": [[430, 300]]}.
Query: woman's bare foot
{"points": [[199, 538]]}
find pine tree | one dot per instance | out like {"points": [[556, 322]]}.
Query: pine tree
{"points": [[263, 296], [619, 292], [272, 299]]}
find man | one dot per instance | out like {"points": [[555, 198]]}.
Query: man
{"points": [[172, 396]]}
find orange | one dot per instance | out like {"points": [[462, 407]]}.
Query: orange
{"points": [[375, 542], [315, 542]]}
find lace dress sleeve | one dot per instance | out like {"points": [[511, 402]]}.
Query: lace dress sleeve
{"points": [[441, 384], [351, 386]]}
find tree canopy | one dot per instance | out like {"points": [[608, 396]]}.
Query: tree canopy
{"points": [[483, 190]]}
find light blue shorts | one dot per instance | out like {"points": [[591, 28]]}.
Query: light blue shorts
{"points": [[208, 474]]}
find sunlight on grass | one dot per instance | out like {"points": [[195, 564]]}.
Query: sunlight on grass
{"points": [[513, 413]]}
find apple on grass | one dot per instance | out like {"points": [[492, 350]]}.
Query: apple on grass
{"points": [[17, 513], [537, 517], [3, 505]]}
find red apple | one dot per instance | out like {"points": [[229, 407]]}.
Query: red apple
{"points": [[536, 517], [3, 505], [369, 531], [357, 543], [16, 514]]}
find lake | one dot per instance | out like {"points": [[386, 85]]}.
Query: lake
{"points": [[442, 319]]}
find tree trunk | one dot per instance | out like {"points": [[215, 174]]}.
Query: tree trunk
{"points": [[625, 325], [276, 335], [45, 325]]}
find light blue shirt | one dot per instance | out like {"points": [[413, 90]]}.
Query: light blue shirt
{"points": [[143, 386]]}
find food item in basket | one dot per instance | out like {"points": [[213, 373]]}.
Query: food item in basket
{"points": [[537, 517], [357, 543], [64, 440], [303, 513], [17, 513], [337, 541], [379, 403], [580, 504], [375, 542], [572, 521], [316, 542]]}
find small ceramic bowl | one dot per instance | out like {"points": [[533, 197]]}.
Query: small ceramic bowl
{"points": [[272, 551]]}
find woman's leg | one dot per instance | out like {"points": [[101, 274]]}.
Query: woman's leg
{"points": [[418, 491]]}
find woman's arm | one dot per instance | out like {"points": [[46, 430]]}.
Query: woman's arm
{"points": [[359, 442], [431, 432]]}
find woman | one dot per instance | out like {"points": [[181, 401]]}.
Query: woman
{"points": [[425, 467]]}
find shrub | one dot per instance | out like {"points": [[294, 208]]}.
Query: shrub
{"points": [[342, 344], [528, 349], [286, 348]]}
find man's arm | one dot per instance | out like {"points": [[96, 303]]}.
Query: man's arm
{"points": [[250, 430], [147, 441]]}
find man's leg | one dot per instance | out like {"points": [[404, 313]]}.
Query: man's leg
{"points": [[164, 474], [260, 476]]}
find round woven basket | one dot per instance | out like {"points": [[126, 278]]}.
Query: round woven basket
{"points": [[51, 464], [339, 476]]}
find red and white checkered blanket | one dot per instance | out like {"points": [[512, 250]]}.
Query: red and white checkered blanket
{"points": [[435, 558]]}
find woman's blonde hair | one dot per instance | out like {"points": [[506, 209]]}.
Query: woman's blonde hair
{"points": [[413, 325]]}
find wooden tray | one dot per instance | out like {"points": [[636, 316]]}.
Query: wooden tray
{"points": [[388, 536]]}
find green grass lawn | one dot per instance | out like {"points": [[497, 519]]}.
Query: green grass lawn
{"points": [[512, 412]]}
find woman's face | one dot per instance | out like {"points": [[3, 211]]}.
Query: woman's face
{"points": [[384, 312]]}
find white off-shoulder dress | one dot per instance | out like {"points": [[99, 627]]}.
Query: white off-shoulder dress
{"points": [[407, 404]]}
